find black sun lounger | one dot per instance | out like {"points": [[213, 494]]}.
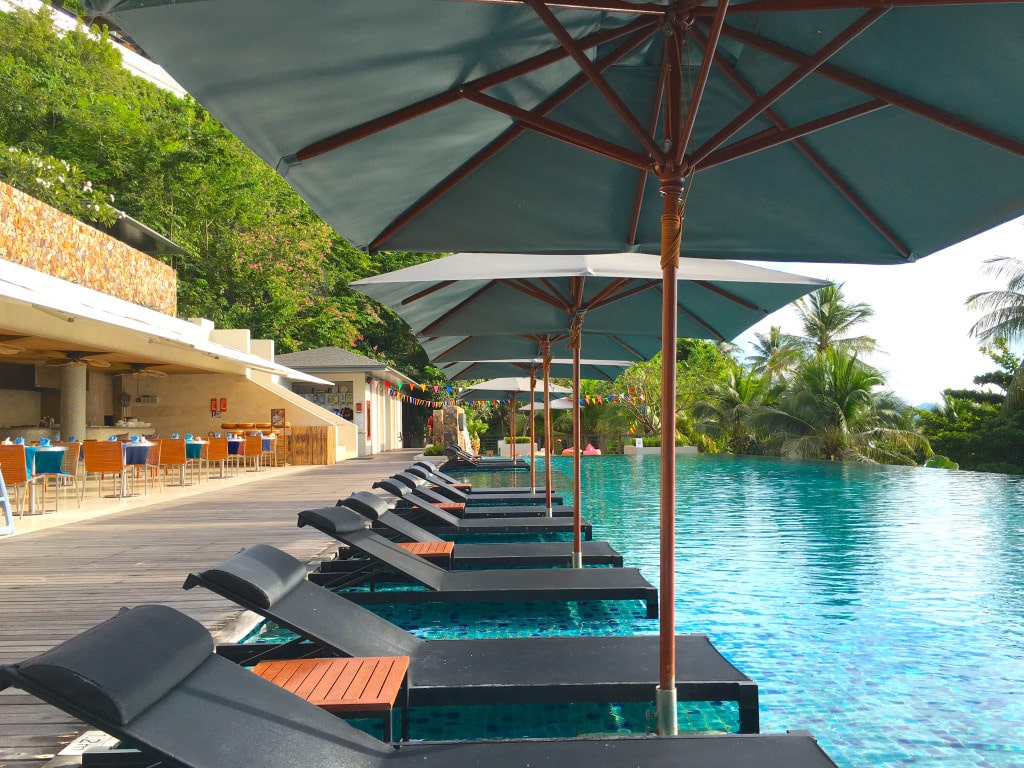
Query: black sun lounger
{"points": [[510, 555], [462, 460], [496, 586], [148, 677], [503, 506], [541, 670], [439, 521], [456, 491]]}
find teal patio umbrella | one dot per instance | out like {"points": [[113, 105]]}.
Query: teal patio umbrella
{"points": [[874, 131]]}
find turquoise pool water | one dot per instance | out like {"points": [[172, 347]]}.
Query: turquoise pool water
{"points": [[881, 608]]}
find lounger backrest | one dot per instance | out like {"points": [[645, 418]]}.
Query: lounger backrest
{"points": [[393, 487], [435, 470], [418, 502], [428, 465], [367, 504], [406, 528], [123, 666], [449, 491], [261, 574], [308, 610], [410, 480], [216, 715], [350, 528]]}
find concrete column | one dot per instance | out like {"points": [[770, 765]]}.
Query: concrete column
{"points": [[72, 401]]}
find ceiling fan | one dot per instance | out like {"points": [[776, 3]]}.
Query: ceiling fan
{"points": [[145, 369], [79, 358]]}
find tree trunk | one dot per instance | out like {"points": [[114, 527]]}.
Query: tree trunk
{"points": [[1014, 400]]}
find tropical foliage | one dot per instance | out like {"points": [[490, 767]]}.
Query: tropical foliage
{"points": [[255, 257]]}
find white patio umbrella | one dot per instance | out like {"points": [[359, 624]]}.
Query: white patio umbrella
{"points": [[589, 369], [613, 298], [509, 388]]}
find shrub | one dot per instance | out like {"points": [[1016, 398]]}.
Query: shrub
{"points": [[434, 450]]}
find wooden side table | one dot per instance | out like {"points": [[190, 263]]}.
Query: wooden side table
{"points": [[363, 687], [431, 550]]}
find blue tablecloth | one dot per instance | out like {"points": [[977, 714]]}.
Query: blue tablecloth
{"points": [[234, 445], [43, 460], [194, 449], [136, 453]]}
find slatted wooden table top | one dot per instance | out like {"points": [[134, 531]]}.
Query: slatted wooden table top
{"points": [[341, 685], [429, 548], [453, 506]]}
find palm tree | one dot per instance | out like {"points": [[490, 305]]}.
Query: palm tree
{"points": [[725, 416], [827, 316], [1003, 318], [830, 410], [775, 352]]}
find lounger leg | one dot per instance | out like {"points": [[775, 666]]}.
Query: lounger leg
{"points": [[652, 605], [750, 711]]}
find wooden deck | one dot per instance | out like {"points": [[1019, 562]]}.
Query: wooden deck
{"points": [[58, 582]]}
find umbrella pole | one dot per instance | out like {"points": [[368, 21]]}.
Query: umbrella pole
{"points": [[546, 358], [577, 439], [671, 227], [512, 426], [533, 430]]}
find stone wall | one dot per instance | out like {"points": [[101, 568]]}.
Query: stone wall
{"points": [[42, 238]]}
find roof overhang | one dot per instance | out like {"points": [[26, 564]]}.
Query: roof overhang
{"points": [[46, 314]]}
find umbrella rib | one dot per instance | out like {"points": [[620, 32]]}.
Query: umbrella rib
{"points": [[426, 292], [787, 6], [458, 307], [634, 222], [533, 291], [827, 171], [702, 81], [727, 295], [642, 34], [635, 353], [451, 96], [612, 6], [803, 70], [697, 319], [773, 137], [596, 79], [887, 95], [606, 296], [559, 131]]}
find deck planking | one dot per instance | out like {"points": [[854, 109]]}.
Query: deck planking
{"points": [[58, 582]]}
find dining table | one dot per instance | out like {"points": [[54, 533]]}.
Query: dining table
{"points": [[41, 460]]}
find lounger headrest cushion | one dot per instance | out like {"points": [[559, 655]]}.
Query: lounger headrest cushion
{"points": [[418, 472], [427, 465], [411, 480], [393, 487], [367, 504], [121, 667], [261, 574], [339, 519]]}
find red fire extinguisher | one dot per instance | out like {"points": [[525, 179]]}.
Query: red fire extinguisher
{"points": [[213, 405], [223, 404]]}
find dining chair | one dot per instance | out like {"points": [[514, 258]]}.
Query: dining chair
{"points": [[252, 450], [68, 477], [217, 452], [268, 455], [172, 454], [151, 469], [102, 458], [196, 460], [58, 473], [15, 468]]}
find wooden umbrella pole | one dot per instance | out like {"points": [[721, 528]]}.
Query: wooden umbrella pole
{"points": [[512, 426], [533, 431], [577, 439], [671, 226], [546, 362]]}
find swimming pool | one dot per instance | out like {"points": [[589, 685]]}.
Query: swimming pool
{"points": [[881, 608]]}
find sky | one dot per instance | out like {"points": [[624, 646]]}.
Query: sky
{"points": [[920, 323]]}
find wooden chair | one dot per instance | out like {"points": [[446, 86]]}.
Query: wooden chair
{"points": [[102, 458], [65, 477], [172, 454], [15, 469], [217, 452], [268, 455], [151, 469], [252, 450]]}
